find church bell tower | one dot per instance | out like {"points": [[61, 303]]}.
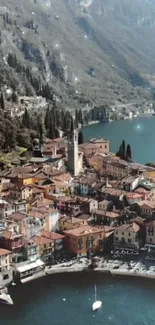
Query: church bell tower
{"points": [[73, 149]]}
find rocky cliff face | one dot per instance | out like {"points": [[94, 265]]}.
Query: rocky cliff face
{"points": [[58, 43]]}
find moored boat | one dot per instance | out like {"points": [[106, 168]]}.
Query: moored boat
{"points": [[5, 298], [97, 303]]}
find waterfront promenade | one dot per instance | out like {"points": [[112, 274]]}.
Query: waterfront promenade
{"points": [[114, 267]]}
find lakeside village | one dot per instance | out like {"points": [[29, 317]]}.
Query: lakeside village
{"points": [[72, 202]]}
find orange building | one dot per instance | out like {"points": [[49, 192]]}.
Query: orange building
{"points": [[84, 240]]}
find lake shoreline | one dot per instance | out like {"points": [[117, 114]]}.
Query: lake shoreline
{"points": [[84, 269]]}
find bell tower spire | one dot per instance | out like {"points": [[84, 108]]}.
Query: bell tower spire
{"points": [[73, 148]]}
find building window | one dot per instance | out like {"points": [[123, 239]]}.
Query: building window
{"points": [[44, 245], [122, 233], [150, 240], [116, 232], [116, 238], [129, 240], [129, 233]]}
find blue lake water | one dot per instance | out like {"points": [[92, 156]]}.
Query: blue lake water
{"points": [[126, 301], [139, 133]]}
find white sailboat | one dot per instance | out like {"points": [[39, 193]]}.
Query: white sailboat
{"points": [[97, 303]]}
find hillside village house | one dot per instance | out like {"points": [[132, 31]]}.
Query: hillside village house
{"points": [[13, 241], [58, 240], [117, 169], [84, 186], [4, 184], [30, 250], [112, 194], [20, 192], [108, 218], [96, 145], [147, 208], [105, 205], [67, 223], [87, 205], [84, 240], [5, 260], [46, 247], [145, 193], [129, 183], [95, 161], [132, 197], [6, 209], [150, 238], [126, 236]]}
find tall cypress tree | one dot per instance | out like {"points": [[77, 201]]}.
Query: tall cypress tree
{"points": [[128, 153], [80, 117], [123, 150], [51, 129], [47, 118], [2, 102], [80, 138], [26, 120]]}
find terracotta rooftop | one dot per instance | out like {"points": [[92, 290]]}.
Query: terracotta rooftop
{"points": [[83, 231], [141, 190], [52, 235], [4, 252], [132, 195], [18, 216], [129, 227], [40, 240], [9, 234], [148, 204], [107, 214]]}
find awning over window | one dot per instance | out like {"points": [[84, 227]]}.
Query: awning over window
{"points": [[30, 266]]}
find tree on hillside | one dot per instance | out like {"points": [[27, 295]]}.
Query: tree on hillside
{"points": [[57, 133], [47, 118], [2, 103], [40, 131], [128, 153], [26, 120], [51, 130], [80, 138], [14, 97], [80, 117]]}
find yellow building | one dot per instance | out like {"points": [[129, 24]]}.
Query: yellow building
{"points": [[46, 246], [117, 169], [5, 260]]}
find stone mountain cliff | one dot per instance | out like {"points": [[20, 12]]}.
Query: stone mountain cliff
{"points": [[85, 51]]}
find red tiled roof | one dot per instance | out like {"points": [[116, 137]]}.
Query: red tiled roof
{"points": [[4, 252], [40, 240], [83, 231], [18, 216], [9, 234], [52, 235]]}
